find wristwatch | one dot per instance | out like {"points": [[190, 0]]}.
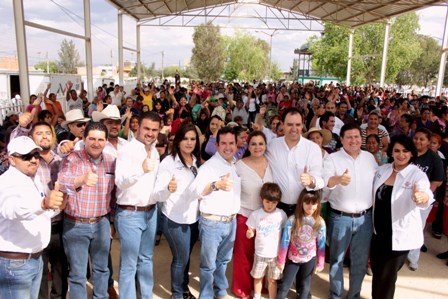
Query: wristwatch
{"points": [[214, 187]]}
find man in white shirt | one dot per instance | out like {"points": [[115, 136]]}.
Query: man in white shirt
{"points": [[296, 162], [219, 187], [136, 217], [349, 175], [25, 221]]}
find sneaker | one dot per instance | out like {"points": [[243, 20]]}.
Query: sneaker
{"points": [[413, 267], [424, 248], [443, 255]]}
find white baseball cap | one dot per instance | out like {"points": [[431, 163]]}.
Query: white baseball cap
{"points": [[22, 145]]}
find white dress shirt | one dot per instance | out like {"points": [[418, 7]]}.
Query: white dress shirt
{"points": [[356, 196], [251, 184], [222, 203], [135, 187], [288, 165], [24, 226], [338, 123], [181, 206], [406, 219]]}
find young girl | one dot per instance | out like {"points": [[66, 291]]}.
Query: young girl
{"points": [[303, 239]]}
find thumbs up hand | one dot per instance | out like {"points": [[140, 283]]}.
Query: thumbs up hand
{"points": [[225, 184], [172, 185], [67, 147], [91, 178], [148, 164], [345, 178], [305, 178], [419, 197], [56, 198]]}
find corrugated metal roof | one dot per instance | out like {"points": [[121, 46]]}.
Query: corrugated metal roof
{"points": [[349, 13]]}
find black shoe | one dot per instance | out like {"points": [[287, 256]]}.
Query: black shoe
{"points": [[443, 255], [188, 295], [424, 248]]}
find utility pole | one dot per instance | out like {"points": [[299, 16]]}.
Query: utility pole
{"points": [[163, 56]]}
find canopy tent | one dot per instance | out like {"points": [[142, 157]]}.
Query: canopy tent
{"points": [[283, 13]]}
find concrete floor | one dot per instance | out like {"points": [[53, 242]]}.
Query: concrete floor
{"points": [[429, 282]]}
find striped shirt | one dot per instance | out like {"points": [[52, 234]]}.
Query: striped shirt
{"points": [[87, 202]]}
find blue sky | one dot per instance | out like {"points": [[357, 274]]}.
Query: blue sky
{"points": [[175, 42]]}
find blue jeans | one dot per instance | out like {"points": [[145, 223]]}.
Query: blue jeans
{"points": [[20, 278], [137, 231], [81, 240], [302, 272], [217, 240], [356, 232], [181, 238]]}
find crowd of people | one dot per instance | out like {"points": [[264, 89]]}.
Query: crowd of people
{"points": [[280, 178]]}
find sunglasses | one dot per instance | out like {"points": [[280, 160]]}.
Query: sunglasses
{"points": [[28, 157], [79, 125]]}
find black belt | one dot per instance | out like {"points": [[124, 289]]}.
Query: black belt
{"points": [[136, 208], [20, 255], [353, 215]]}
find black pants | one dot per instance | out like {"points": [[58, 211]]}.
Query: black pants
{"points": [[385, 264], [55, 255]]}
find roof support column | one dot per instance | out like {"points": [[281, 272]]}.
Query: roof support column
{"points": [[385, 48], [19, 22], [138, 52], [120, 48], [350, 55], [443, 58], [88, 46]]}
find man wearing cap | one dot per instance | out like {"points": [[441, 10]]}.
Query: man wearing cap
{"points": [[88, 176], [46, 175], [147, 94], [11, 119], [76, 124], [136, 217], [25, 221]]}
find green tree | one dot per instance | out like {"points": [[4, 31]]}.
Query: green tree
{"points": [[144, 71], [276, 72], [208, 52], [52, 66], [425, 68], [247, 57], [68, 57], [330, 52]]}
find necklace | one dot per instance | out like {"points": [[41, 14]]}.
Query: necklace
{"points": [[396, 171]]}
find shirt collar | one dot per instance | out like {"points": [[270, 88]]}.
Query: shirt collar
{"points": [[219, 157]]}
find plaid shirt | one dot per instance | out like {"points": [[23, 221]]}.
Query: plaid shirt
{"points": [[87, 202]]}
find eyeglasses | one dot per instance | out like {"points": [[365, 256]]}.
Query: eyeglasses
{"points": [[28, 157], [194, 170], [79, 125]]}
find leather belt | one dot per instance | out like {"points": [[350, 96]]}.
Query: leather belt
{"points": [[137, 209], [91, 220], [353, 215], [218, 217], [20, 255]]}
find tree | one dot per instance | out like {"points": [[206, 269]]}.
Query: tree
{"points": [[247, 57], [52, 66], [425, 68], [68, 57], [276, 72], [208, 52], [330, 52]]}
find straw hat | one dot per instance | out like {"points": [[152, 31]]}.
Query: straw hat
{"points": [[110, 112], [75, 115], [326, 135]]}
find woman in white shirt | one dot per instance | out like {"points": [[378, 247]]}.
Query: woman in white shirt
{"points": [[180, 208], [401, 189], [254, 171]]}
